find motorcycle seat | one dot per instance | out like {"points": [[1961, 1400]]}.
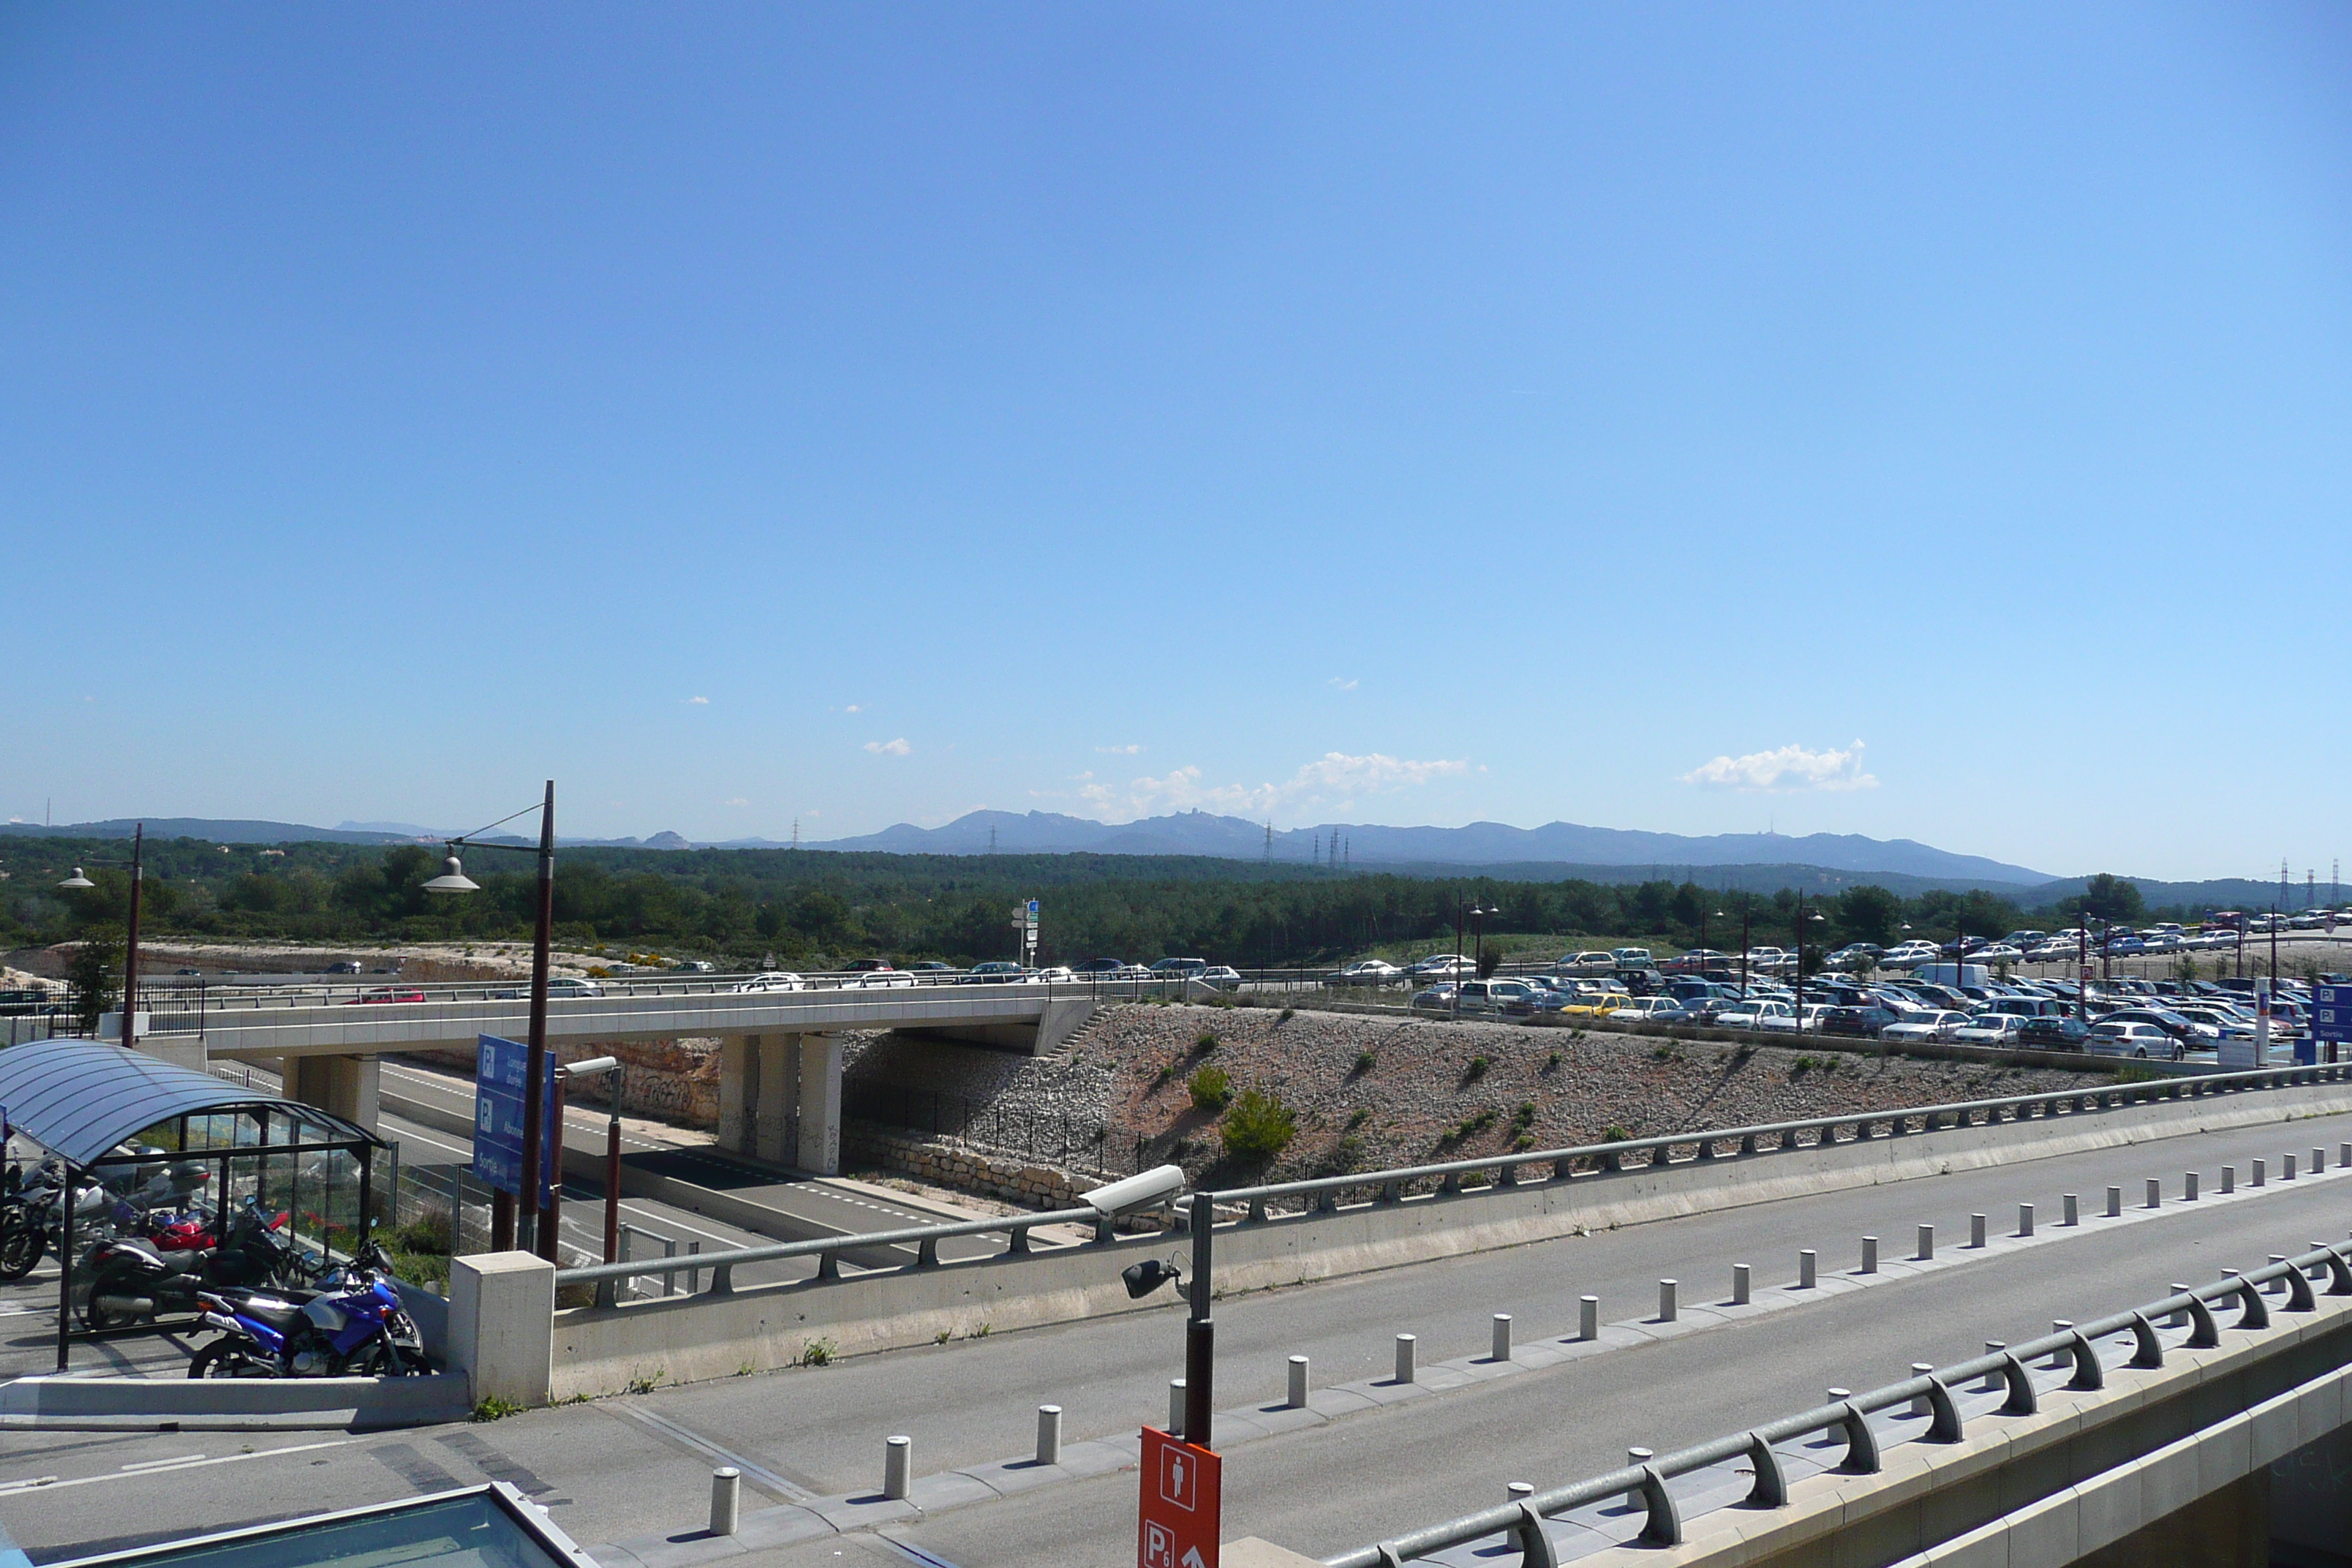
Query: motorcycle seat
{"points": [[271, 1309]]}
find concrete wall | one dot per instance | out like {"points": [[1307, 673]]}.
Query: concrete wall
{"points": [[683, 1338], [967, 1167]]}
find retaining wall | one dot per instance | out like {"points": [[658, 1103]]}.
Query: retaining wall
{"points": [[967, 1167]]}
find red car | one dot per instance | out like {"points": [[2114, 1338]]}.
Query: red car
{"points": [[385, 996]]}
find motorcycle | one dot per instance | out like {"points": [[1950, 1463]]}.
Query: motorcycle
{"points": [[132, 1278], [29, 1222], [352, 1326]]}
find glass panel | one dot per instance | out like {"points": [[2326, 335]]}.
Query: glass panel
{"points": [[471, 1532]]}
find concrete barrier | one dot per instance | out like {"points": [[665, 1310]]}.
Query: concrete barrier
{"points": [[688, 1338], [498, 1303], [230, 1404]]}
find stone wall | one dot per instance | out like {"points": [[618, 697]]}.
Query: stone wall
{"points": [[963, 1167]]}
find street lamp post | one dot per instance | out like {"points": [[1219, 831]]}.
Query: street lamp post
{"points": [[591, 1069], [1746, 912], [532, 1236], [79, 882], [1799, 925]]}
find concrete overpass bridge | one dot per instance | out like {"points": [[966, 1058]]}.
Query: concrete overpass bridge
{"points": [[779, 1051]]}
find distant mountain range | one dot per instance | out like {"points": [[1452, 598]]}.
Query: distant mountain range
{"points": [[1479, 844], [227, 832]]}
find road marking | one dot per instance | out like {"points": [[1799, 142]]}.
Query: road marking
{"points": [[168, 1467], [759, 1475], [159, 1464], [915, 1553]]}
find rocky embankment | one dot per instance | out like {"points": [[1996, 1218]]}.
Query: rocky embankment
{"points": [[1370, 1092]]}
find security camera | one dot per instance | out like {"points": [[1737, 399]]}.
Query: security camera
{"points": [[1137, 1192], [1142, 1278], [589, 1067]]}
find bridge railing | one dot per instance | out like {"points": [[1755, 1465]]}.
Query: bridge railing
{"points": [[1263, 1205], [1521, 1521]]}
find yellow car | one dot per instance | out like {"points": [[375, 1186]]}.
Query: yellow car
{"points": [[1594, 1006]]}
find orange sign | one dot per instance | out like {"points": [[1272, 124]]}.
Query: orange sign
{"points": [[1177, 1514]]}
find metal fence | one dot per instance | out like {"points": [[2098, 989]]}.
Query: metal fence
{"points": [[1322, 1196], [1931, 1415]]}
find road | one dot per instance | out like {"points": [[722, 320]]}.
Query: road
{"points": [[622, 1467]]}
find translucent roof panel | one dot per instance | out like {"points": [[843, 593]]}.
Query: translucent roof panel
{"points": [[481, 1527], [80, 1097]]}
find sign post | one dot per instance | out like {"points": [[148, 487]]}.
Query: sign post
{"points": [[499, 1067], [1178, 1512]]}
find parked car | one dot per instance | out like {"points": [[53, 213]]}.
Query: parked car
{"points": [[1434, 999], [1441, 966], [1988, 1029], [1648, 1010], [2142, 1040], [1630, 957], [1862, 1023], [1773, 1016], [1936, 1024], [2054, 1034], [1591, 963], [1218, 975]]}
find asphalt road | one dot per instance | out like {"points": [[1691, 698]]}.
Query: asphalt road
{"points": [[621, 1468]]}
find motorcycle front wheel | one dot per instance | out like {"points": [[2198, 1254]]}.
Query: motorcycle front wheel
{"points": [[225, 1359], [379, 1360], [22, 1242]]}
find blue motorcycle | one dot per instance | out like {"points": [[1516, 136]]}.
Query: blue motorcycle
{"points": [[352, 1326]]}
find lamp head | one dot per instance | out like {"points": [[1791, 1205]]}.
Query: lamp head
{"points": [[1142, 1278], [453, 879], [78, 881]]}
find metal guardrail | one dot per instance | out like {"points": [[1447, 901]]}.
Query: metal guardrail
{"points": [[1522, 1521], [826, 1250], [1321, 1194]]}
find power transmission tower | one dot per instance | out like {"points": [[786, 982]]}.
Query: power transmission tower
{"points": [[1269, 842], [991, 841], [796, 833]]}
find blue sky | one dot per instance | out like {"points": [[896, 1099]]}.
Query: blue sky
{"points": [[1912, 421]]}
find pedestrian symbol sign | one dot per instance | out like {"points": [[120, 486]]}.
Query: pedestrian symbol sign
{"points": [[1179, 1507]]}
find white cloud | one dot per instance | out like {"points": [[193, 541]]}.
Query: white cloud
{"points": [[897, 748], [1333, 778], [1790, 768], [853, 708], [738, 800], [1342, 685], [698, 702], [1119, 750]]}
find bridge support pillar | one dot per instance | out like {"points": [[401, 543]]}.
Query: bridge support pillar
{"points": [[347, 1087], [773, 1129], [736, 1106], [820, 1105], [2228, 1527]]}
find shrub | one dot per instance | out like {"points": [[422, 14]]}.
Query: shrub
{"points": [[1358, 1116], [1523, 1143], [1476, 1070], [1524, 1117], [1206, 1042], [1614, 1134], [1345, 1155], [1366, 1061], [493, 1408], [1287, 1015], [1259, 1127], [818, 1353], [1552, 1061], [1210, 1088]]}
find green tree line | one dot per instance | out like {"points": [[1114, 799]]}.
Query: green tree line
{"points": [[801, 906]]}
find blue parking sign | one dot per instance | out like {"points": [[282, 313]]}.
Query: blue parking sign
{"points": [[499, 1069], [2331, 1013]]}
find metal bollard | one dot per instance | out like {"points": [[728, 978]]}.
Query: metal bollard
{"points": [[1994, 1379], [1588, 1317], [2074, 1211], [1739, 1284], [2025, 1219], [1501, 1349], [2114, 1203], [1515, 1492], [1975, 1230], [1297, 1398], [1637, 1498], [1920, 1404], [2229, 1178], [1805, 1263], [1925, 1252], [2343, 1155], [2257, 1178], [669, 1279], [1666, 1290], [1049, 1434], [2286, 1168], [726, 1499], [1404, 1352], [1840, 1396], [897, 1463], [2188, 1186], [1176, 1406], [2178, 1319], [1869, 1255], [2154, 1193], [2062, 1356], [2318, 1160]]}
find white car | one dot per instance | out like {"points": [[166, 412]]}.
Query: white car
{"points": [[1988, 1029], [1768, 1016], [2143, 1041], [1586, 963], [881, 980], [1997, 952], [1936, 1025], [1441, 966], [1645, 1007], [774, 980], [1369, 972], [1054, 976], [1220, 977]]}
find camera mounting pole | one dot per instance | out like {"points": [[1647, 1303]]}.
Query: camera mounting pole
{"points": [[1201, 1331]]}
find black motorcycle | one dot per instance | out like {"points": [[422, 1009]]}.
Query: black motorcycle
{"points": [[132, 1280], [30, 1215]]}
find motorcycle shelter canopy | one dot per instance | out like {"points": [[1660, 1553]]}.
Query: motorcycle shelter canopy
{"points": [[79, 1098]]}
